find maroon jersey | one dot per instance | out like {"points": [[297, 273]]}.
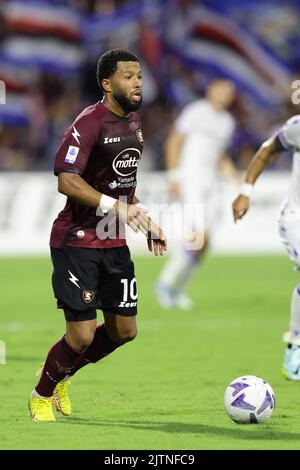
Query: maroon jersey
{"points": [[104, 149]]}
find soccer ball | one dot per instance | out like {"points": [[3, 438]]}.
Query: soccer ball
{"points": [[249, 399]]}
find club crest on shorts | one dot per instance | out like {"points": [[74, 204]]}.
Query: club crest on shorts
{"points": [[88, 296], [139, 135]]}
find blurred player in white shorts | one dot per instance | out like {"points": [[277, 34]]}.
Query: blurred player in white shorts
{"points": [[288, 137], [195, 153]]}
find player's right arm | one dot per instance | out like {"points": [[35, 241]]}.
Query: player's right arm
{"points": [[287, 137], [172, 151], [263, 157]]}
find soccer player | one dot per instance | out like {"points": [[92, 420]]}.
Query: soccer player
{"points": [[96, 166], [288, 137], [195, 152]]}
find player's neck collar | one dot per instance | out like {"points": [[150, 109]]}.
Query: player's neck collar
{"points": [[122, 118]]}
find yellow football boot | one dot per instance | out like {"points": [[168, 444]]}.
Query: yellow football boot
{"points": [[60, 397], [41, 409]]}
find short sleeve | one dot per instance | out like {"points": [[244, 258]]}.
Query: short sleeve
{"points": [[289, 134], [185, 121], [74, 152]]}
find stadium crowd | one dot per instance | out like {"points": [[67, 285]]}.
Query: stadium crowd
{"points": [[48, 52]]}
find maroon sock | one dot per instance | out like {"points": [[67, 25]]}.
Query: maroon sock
{"points": [[100, 347], [59, 363]]}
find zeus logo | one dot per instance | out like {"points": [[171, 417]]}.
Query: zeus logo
{"points": [[127, 304], [76, 134], [111, 140], [73, 279]]}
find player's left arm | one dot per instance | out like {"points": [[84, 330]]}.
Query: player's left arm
{"points": [[228, 168]]}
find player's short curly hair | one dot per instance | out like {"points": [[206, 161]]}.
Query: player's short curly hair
{"points": [[107, 63]]}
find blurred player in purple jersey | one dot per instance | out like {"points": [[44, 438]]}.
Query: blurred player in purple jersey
{"points": [[96, 166]]}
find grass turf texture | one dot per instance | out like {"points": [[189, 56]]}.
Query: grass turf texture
{"points": [[165, 389]]}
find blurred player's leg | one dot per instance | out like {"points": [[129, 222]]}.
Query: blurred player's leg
{"points": [[295, 316], [176, 276], [199, 210], [185, 277], [291, 365], [289, 226], [178, 263]]}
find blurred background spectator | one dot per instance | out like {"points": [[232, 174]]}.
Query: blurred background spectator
{"points": [[49, 50]]}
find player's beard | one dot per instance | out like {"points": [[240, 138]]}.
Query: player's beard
{"points": [[125, 103]]}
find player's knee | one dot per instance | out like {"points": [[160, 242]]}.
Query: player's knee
{"points": [[83, 341], [196, 255], [125, 335], [130, 335]]}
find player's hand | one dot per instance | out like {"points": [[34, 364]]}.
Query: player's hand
{"points": [[175, 190], [133, 216], [156, 239], [240, 206], [136, 217]]}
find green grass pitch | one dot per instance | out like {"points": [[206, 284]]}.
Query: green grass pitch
{"points": [[165, 389]]}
